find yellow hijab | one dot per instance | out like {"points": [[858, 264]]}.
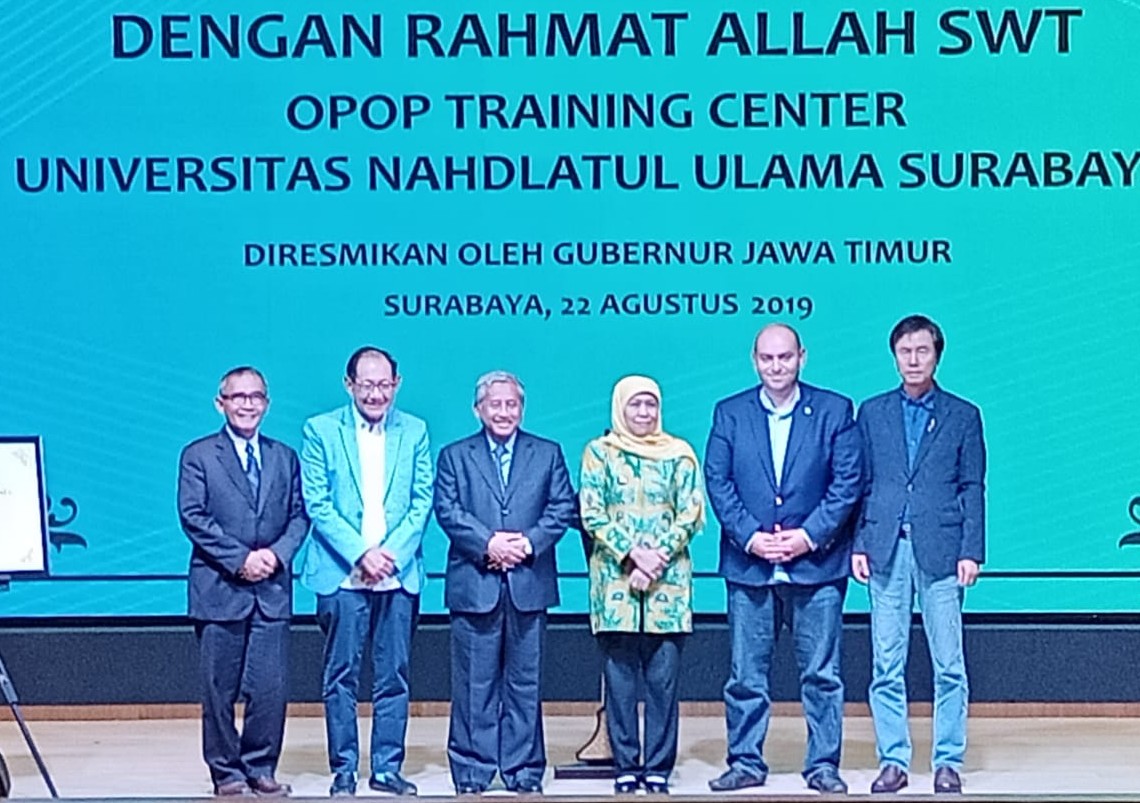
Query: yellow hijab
{"points": [[657, 445]]}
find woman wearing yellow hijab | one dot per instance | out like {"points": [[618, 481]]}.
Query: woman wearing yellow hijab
{"points": [[642, 502]]}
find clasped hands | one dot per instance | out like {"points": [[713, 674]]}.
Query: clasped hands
{"points": [[506, 550], [648, 564], [259, 564], [376, 565], [780, 546]]}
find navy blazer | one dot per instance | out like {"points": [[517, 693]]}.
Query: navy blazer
{"points": [[945, 489], [225, 523], [471, 506], [822, 484]]}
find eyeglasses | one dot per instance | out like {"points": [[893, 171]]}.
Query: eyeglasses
{"points": [[383, 386], [256, 399]]}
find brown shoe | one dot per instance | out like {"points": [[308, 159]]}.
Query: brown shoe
{"points": [[231, 789], [891, 779], [947, 781], [267, 786]]}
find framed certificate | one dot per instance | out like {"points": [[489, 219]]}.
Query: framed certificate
{"points": [[23, 517]]}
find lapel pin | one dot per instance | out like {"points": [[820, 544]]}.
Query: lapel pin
{"points": [[807, 410], [931, 425]]}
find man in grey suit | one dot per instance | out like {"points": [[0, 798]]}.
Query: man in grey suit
{"points": [[921, 531], [239, 500], [504, 499]]}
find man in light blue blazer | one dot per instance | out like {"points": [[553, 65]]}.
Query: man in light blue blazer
{"points": [[366, 475], [504, 499], [783, 467], [921, 532]]}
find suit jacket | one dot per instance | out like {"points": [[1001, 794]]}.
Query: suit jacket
{"points": [[821, 484], [945, 489], [225, 523], [330, 479], [470, 506]]}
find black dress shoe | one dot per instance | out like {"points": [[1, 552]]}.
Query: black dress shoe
{"points": [[527, 788], [392, 783], [470, 789], [626, 784], [343, 786], [947, 781], [736, 778], [827, 782], [891, 779], [655, 784]]}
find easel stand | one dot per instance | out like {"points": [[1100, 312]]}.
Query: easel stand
{"points": [[10, 697]]}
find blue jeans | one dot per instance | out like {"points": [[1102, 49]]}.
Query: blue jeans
{"points": [[940, 600], [754, 616], [348, 619]]}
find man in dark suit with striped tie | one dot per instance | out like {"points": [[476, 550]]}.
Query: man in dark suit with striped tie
{"points": [[239, 500], [504, 499]]}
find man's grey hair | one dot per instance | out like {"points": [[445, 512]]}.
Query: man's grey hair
{"points": [[241, 369], [483, 384]]}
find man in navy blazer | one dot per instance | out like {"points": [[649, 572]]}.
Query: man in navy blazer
{"points": [[239, 500], [783, 468], [504, 499], [921, 531]]}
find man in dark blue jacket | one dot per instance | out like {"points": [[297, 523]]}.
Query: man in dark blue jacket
{"points": [[784, 473], [921, 531]]}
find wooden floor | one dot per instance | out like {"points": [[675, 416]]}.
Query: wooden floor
{"points": [[1023, 757]]}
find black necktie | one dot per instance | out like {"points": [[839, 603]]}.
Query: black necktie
{"points": [[252, 469]]}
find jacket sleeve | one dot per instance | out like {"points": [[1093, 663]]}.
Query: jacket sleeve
{"points": [[558, 513], [334, 530], [972, 491], [735, 520], [688, 501], [860, 545], [198, 523], [404, 539], [286, 546], [845, 489], [592, 501], [467, 534]]}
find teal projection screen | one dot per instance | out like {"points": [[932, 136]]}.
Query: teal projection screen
{"points": [[571, 192]]}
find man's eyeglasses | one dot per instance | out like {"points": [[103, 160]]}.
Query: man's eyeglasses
{"points": [[256, 399], [383, 386]]}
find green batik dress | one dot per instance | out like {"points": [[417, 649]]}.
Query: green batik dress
{"points": [[626, 501]]}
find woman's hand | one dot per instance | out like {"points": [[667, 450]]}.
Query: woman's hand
{"points": [[649, 560], [639, 580]]}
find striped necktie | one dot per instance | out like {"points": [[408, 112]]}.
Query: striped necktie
{"points": [[252, 469], [500, 454]]}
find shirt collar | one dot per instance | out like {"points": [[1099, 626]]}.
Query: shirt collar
{"points": [[365, 425], [240, 442], [509, 444], [926, 400], [780, 412]]}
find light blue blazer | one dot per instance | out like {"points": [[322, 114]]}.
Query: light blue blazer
{"points": [[330, 482]]}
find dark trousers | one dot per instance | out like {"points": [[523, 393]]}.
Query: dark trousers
{"points": [[655, 660], [496, 696], [247, 659], [349, 619]]}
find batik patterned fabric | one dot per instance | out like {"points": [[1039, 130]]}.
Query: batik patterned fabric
{"points": [[626, 501]]}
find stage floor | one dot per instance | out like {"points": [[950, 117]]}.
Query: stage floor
{"points": [[1024, 757]]}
